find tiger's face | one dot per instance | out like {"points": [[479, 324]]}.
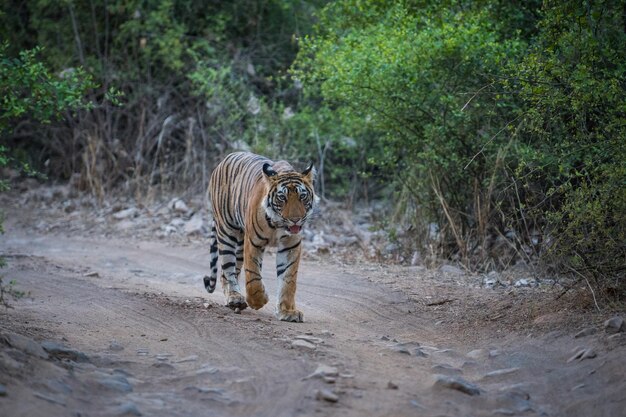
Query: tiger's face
{"points": [[291, 199]]}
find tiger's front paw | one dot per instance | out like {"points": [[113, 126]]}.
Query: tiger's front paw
{"points": [[258, 299], [236, 301], [295, 316]]}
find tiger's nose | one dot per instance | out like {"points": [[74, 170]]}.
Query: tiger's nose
{"points": [[295, 220]]}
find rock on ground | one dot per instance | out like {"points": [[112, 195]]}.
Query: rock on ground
{"points": [[456, 383], [614, 325]]}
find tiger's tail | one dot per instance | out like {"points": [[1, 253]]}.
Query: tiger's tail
{"points": [[210, 281]]}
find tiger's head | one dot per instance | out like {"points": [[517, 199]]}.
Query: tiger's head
{"points": [[290, 200]]}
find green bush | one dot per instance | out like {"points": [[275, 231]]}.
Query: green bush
{"points": [[573, 86], [423, 82], [494, 121]]}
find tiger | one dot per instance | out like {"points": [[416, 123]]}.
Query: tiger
{"points": [[256, 202]]}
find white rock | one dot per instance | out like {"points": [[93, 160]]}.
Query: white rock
{"points": [[303, 345], [583, 354], [326, 395], [614, 325], [501, 372], [478, 354], [126, 213], [456, 383], [323, 371], [169, 229], [195, 225], [522, 283], [311, 339], [178, 206], [450, 269]]}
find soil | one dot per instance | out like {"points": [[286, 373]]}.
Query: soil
{"points": [[137, 334]]}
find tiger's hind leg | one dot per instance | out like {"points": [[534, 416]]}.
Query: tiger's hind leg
{"points": [[229, 249], [210, 281]]}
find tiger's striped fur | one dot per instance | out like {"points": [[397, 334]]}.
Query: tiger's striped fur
{"points": [[257, 202]]}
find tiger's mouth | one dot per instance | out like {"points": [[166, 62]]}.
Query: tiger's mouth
{"points": [[295, 229]]}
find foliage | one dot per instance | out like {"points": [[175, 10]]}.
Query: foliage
{"points": [[423, 82], [29, 89], [497, 121], [186, 71], [573, 85]]}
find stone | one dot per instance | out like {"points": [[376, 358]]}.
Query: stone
{"points": [[323, 371], [207, 369], [195, 226], [179, 206], [490, 282], [409, 348], [478, 354], [128, 213], [310, 339], [456, 383], [585, 332], [583, 354], [25, 344], [392, 385], [522, 283], [62, 352], [303, 345], [326, 395], [400, 348], [501, 372], [450, 269], [614, 325], [169, 230]]}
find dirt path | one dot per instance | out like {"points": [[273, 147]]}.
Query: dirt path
{"points": [[157, 345]]}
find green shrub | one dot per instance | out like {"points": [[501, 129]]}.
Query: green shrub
{"points": [[573, 86], [421, 82]]}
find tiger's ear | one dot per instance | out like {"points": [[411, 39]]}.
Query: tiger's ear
{"points": [[268, 170], [310, 172]]}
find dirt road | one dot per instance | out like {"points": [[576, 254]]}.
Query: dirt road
{"points": [[156, 344]]}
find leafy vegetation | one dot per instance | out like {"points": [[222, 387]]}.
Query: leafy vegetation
{"points": [[28, 90], [498, 123], [497, 129]]}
